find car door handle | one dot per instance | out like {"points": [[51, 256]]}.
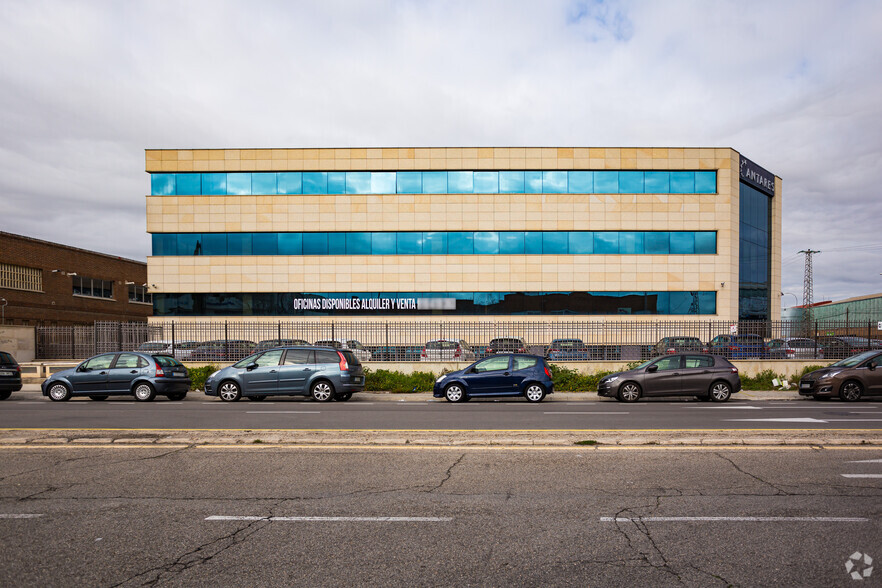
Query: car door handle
{"points": [[272, 371], [506, 374], [133, 372], [307, 369], [102, 373]]}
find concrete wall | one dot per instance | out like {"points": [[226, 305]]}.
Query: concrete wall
{"points": [[21, 342]]}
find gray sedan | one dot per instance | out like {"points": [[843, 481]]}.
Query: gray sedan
{"points": [[708, 377]]}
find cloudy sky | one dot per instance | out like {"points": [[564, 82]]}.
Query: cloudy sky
{"points": [[795, 85]]}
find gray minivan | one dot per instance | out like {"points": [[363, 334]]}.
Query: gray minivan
{"points": [[320, 372]]}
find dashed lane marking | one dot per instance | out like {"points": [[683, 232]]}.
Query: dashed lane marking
{"points": [[866, 461], [283, 412], [576, 412], [20, 516], [861, 475], [335, 519]]}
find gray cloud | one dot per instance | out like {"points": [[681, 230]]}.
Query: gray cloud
{"points": [[792, 85]]}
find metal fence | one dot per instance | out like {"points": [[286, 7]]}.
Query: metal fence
{"points": [[406, 340]]}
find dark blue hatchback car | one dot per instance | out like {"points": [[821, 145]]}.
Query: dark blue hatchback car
{"points": [[500, 375]]}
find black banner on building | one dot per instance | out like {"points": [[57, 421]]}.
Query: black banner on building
{"points": [[757, 176]]}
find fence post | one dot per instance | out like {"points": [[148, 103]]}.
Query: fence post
{"points": [[226, 342], [173, 338], [95, 338], [280, 331]]}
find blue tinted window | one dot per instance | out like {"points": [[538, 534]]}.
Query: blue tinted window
{"points": [[290, 182], [165, 244], [239, 244], [383, 182], [315, 243], [554, 182], [460, 182], [383, 243], [336, 243], [189, 244], [410, 244], [656, 182], [358, 243], [435, 243], [706, 242], [533, 243], [606, 243], [630, 243], [606, 182], [682, 182], [265, 243], [290, 243], [315, 183], [214, 244], [358, 182], [581, 182], [555, 243], [239, 183], [162, 184], [410, 183], [511, 243], [486, 243], [214, 184], [264, 183], [486, 182], [657, 242], [706, 182], [533, 182], [682, 242], [434, 182], [630, 182], [460, 243], [511, 182], [581, 243], [188, 184], [336, 182]]}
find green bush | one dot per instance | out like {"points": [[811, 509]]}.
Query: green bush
{"points": [[389, 381], [198, 375], [763, 380]]}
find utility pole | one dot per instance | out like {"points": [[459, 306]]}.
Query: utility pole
{"points": [[807, 293]]}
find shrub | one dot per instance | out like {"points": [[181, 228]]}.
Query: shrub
{"points": [[387, 380], [198, 376]]}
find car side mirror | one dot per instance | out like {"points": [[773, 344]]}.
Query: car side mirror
{"points": [[871, 366], [251, 366], [652, 369]]}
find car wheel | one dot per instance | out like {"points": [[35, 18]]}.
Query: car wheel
{"points": [[720, 392], [851, 391], [322, 391], [229, 391], [256, 398], [454, 393], [343, 397], [144, 392], [534, 393], [59, 392], [98, 396], [629, 392], [5, 395], [177, 396]]}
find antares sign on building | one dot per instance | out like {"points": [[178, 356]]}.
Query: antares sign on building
{"points": [[757, 176]]}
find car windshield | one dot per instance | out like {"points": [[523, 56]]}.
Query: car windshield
{"points": [[166, 361], [855, 359], [441, 345]]}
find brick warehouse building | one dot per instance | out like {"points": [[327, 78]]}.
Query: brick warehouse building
{"points": [[49, 284]]}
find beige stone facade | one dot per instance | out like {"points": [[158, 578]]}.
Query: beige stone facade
{"points": [[458, 212]]}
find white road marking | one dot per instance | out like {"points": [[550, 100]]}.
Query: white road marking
{"points": [[780, 420], [19, 516], [866, 461], [28, 402], [283, 412], [336, 519], [728, 407], [874, 412], [575, 412], [854, 420], [861, 475], [734, 519]]}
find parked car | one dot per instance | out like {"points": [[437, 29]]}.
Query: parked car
{"points": [[506, 345], [567, 350], [843, 347], [182, 349], [795, 348], [320, 372], [10, 375], [851, 378], [500, 375], [677, 345], [221, 350], [141, 375], [353, 344], [709, 377], [270, 343], [447, 350], [396, 353], [739, 347]]}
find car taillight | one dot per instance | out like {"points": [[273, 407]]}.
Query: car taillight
{"points": [[423, 353], [790, 351], [521, 350], [457, 353], [670, 350], [704, 350], [159, 372], [734, 370], [547, 373], [18, 368], [488, 351], [344, 366]]}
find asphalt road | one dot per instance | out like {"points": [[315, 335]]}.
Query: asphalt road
{"points": [[251, 516], [29, 409]]}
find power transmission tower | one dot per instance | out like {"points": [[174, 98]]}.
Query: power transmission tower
{"points": [[807, 293]]}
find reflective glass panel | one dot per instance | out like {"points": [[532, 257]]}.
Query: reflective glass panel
{"points": [[434, 182], [435, 243], [290, 182], [383, 182], [486, 182], [383, 243], [682, 182], [533, 242], [460, 182], [554, 182], [682, 242], [511, 182], [358, 243], [656, 242], [188, 184], [189, 244], [315, 182], [511, 243], [214, 184], [581, 243], [630, 182], [460, 243], [706, 242], [264, 183], [606, 182], [239, 244], [410, 244], [555, 243], [214, 244], [315, 243], [486, 243], [358, 182], [656, 182], [164, 244], [606, 243], [630, 243], [162, 184], [410, 183], [706, 182], [239, 183], [581, 182], [336, 182], [290, 243], [336, 243], [265, 243], [533, 182]]}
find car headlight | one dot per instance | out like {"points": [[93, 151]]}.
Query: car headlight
{"points": [[441, 377], [611, 379], [830, 375]]}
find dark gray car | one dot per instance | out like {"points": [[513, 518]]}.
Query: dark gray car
{"points": [[10, 375], [708, 377], [320, 372]]}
